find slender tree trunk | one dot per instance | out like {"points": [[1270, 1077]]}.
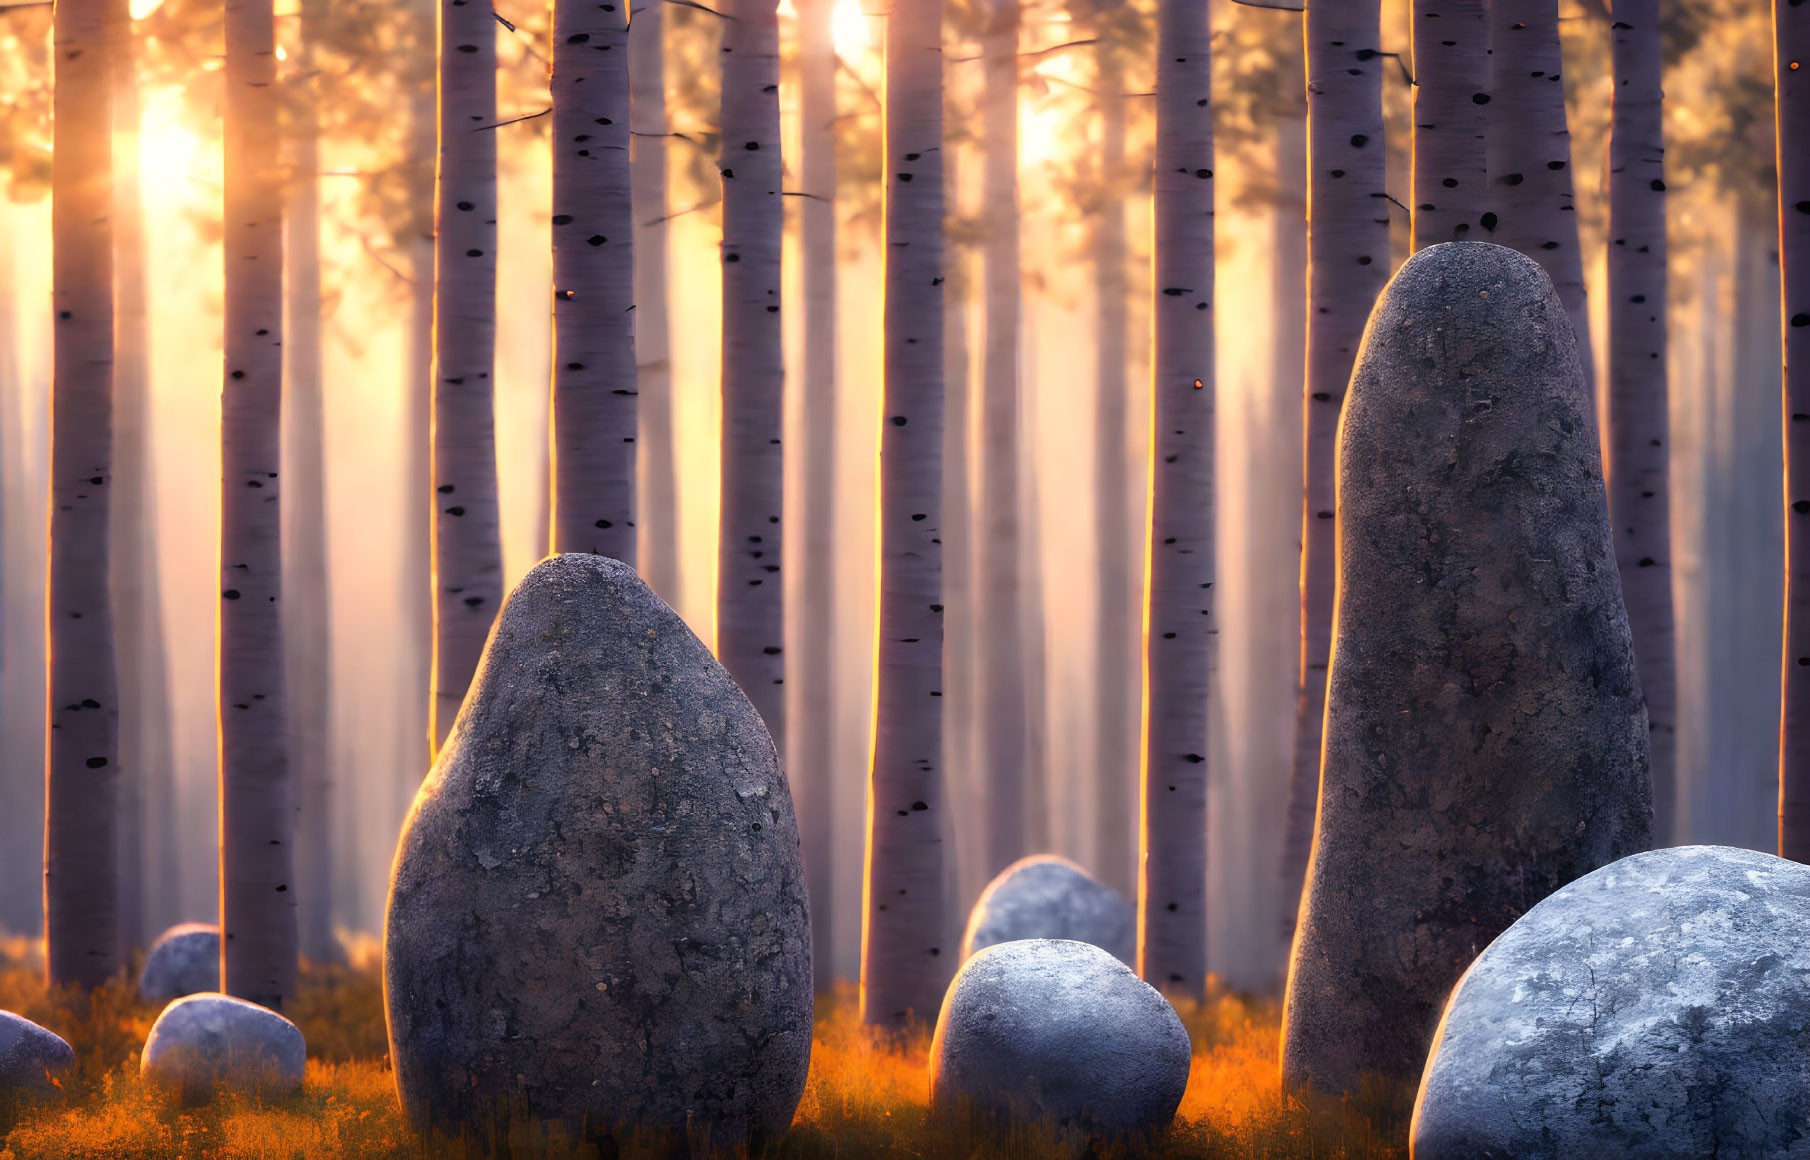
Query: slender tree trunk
{"points": [[904, 969], [1530, 204], [308, 620], [998, 552], [468, 554], [1791, 41], [81, 892], [594, 377], [21, 777], [1115, 756], [961, 726], [750, 590], [1178, 647], [132, 549], [657, 506], [1347, 265], [813, 735], [1451, 119], [257, 791], [1640, 441], [415, 732]]}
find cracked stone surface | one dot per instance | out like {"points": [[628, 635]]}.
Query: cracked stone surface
{"points": [[30, 1056], [1486, 738], [1044, 896], [598, 907], [185, 960], [201, 1042], [1658, 1008], [1053, 1029]]}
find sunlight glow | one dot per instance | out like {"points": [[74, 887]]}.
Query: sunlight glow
{"points": [[851, 28], [168, 149], [281, 55], [143, 8]]}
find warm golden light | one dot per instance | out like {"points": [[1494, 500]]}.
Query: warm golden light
{"points": [[143, 8], [168, 149], [851, 28]]}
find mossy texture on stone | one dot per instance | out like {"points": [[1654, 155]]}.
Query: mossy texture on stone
{"points": [[1486, 740], [598, 908]]}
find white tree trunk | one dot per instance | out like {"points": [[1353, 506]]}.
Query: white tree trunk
{"points": [[1451, 120], [1791, 41], [657, 503]]}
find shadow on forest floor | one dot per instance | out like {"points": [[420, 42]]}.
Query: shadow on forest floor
{"points": [[864, 1098]]}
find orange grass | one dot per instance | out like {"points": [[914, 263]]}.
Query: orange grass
{"points": [[866, 1095]]}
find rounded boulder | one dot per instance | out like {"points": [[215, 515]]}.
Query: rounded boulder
{"points": [[185, 960], [1061, 1032], [1044, 896], [31, 1057], [597, 916], [1654, 1008], [204, 1042]]}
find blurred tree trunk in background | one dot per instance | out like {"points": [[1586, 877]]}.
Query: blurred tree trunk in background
{"points": [[1640, 445], [81, 890], [1000, 611], [1451, 119], [657, 501], [307, 613], [906, 963], [813, 727], [594, 375], [1179, 652], [1791, 48], [468, 554], [750, 632], [147, 818], [1348, 263], [257, 790]]}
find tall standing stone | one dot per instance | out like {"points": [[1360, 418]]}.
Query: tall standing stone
{"points": [[598, 909], [1486, 741]]}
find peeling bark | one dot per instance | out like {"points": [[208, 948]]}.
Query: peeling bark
{"points": [[1179, 646], [751, 620], [905, 965], [468, 554], [81, 895], [257, 793]]}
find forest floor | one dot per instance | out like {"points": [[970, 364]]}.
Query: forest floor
{"points": [[864, 1097]]}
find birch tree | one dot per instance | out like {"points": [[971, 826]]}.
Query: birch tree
{"points": [[1347, 265], [594, 375], [904, 969], [1791, 72], [468, 555], [999, 549], [257, 796], [750, 588], [81, 896], [1178, 649], [1640, 443], [657, 503], [813, 735], [307, 620], [1451, 116], [1530, 205]]}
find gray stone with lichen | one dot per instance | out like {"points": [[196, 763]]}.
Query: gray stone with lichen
{"points": [[203, 1043], [1486, 739], [31, 1057], [1058, 1032], [1654, 1008], [1044, 896], [598, 910], [185, 960]]}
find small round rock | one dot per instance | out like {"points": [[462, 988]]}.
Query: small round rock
{"points": [[185, 960], [1044, 896], [30, 1058], [1655, 1008], [205, 1041], [1054, 1030]]}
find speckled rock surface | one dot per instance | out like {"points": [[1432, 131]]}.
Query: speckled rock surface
{"points": [[1656, 1008], [1486, 739], [201, 1042], [185, 960], [1052, 1029], [1044, 896], [29, 1056], [598, 907]]}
